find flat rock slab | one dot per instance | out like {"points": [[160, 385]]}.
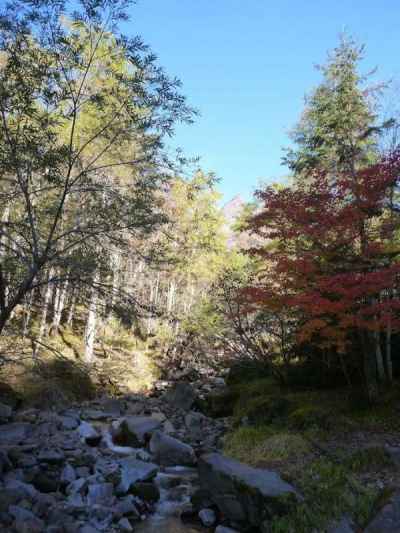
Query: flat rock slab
{"points": [[133, 470], [135, 430], [246, 495], [388, 519]]}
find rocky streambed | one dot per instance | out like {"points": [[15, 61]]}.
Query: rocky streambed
{"points": [[137, 463]]}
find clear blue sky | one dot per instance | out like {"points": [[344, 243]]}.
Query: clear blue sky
{"points": [[246, 66]]}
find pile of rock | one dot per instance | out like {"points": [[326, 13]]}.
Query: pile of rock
{"points": [[96, 467]]}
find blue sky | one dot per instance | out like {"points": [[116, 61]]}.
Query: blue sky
{"points": [[246, 66]]}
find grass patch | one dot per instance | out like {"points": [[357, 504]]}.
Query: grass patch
{"points": [[260, 445], [369, 459], [329, 493]]}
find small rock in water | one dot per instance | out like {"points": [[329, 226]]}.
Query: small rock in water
{"points": [[207, 517]]}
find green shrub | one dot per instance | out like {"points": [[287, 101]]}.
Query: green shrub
{"points": [[307, 417], [264, 410], [244, 371]]}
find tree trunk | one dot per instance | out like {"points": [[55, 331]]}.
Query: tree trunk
{"points": [[379, 358], [90, 331], [71, 311], [388, 352], [27, 315], [59, 306], [42, 329], [370, 370]]}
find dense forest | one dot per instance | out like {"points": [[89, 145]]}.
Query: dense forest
{"points": [[119, 265]]}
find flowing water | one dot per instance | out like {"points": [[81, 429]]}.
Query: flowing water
{"points": [[176, 484]]}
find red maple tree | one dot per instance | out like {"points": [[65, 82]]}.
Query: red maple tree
{"points": [[330, 251]]}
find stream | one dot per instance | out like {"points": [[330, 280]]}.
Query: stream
{"points": [[176, 485]]}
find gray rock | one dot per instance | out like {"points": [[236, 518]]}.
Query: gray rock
{"points": [[51, 457], [169, 451], [5, 463], [15, 432], [223, 529], [8, 497], [341, 526], [127, 506], [125, 525], [244, 494], [95, 414], [25, 521], [68, 474], [100, 493], [78, 486], [5, 412], [25, 490], [207, 517], [89, 434], [69, 422], [194, 422], [388, 518], [182, 396], [134, 430], [133, 470]]}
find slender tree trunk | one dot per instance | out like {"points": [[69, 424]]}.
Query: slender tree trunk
{"points": [[59, 307], [370, 371], [42, 328], [90, 332], [27, 315], [379, 357], [71, 311], [388, 352]]}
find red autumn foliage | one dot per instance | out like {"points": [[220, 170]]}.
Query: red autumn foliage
{"points": [[330, 251]]}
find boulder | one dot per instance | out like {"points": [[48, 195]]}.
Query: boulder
{"points": [[246, 495], [169, 451], [133, 470], [89, 434], [182, 396], [51, 457], [15, 432], [388, 518], [194, 422], [134, 430], [25, 521], [100, 493]]}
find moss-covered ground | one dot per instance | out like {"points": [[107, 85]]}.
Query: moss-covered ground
{"points": [[334, 452]]}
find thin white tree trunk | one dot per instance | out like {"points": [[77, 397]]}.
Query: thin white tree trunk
{"points": [[90, 331], [27, 315], [71, 311], [42, 328], [59, 308]]}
